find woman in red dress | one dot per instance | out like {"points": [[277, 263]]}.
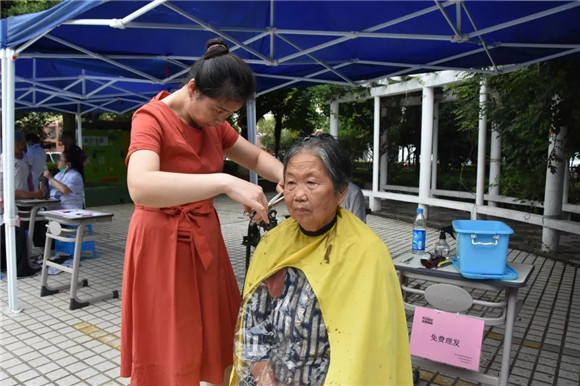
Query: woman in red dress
{"points": [[180, 297]]}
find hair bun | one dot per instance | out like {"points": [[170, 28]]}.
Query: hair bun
{"points": [[215, 47]]}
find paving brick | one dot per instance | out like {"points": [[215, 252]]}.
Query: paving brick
{"points": [[572, 375], [518, 380], [522, 372], [572, 366], [70, 380], [545, 369], [566, 382], [538, 376]]}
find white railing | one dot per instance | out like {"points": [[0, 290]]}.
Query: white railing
{"points": [[471, 207]]}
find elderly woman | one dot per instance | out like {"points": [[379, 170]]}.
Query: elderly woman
{"points": [[321, 303]]}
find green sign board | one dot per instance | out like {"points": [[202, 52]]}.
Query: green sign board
{"points": [[106, 151]]}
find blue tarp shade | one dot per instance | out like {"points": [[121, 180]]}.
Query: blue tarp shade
{"points": [[97, 56], [287, 43]]}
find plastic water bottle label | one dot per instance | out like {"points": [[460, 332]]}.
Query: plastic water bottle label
{"points": [[418, 240]]}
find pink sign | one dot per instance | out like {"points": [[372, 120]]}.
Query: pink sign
{"points": [[449, 338]]}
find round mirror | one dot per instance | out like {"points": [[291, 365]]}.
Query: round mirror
{"points": [[447, 297], [54, 228]]}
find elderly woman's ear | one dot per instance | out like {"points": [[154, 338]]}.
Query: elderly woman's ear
{"points": [[342, 194]]}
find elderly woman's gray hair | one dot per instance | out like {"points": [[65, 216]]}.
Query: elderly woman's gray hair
{"points": [[336, 161]]}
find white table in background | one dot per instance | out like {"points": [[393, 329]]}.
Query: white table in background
{"points": [[409, 267], [78, 219]]}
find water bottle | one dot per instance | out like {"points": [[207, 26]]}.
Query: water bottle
{"points": [[419, 232]]}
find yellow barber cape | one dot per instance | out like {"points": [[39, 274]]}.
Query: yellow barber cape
{"points": [[352, 274]]}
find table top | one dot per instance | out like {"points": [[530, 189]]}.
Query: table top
{"points": [[407, 262], [68, 215], [29, 202]]}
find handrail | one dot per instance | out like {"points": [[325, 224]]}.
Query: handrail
{"points": [[511, 214], [568, 208]]}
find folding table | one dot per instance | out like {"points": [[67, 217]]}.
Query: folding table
{"points": [[76, 220], [409, 267]]}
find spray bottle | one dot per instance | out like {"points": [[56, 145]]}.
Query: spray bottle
{"points": [[442, 248]]}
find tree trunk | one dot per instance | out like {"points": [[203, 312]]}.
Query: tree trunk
{"points": [[68, 124], [243, 122], [277, 134]]}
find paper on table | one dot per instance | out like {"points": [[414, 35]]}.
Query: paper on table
{"points": [[74, 213]]}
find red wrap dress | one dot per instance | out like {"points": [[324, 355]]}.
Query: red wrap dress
{"points": [[180, 298]]}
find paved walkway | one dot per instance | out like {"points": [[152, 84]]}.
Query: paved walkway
{"points": [[47, 344]]}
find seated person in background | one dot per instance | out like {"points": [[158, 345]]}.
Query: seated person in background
{"points": [[36, 158], [354, 202], [67, 185], [21, 190], [21, 169], [321, 302], [70, 146]]}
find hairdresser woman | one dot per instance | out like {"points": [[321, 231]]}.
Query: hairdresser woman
{"points": [[322, 303], [180, 297]]}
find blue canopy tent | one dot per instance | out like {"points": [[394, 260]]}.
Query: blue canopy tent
{"points": [[114, 55], [287, 43]]}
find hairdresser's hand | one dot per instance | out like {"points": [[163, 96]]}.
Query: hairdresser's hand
{"points": [[251, 196]]}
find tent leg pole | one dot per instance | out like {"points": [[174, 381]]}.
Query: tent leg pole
{"points": [[8, 76]]}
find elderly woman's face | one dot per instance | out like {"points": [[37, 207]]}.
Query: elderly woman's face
{"points": [[309, 193]]}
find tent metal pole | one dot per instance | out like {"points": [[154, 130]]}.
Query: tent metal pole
{"points": [[481, 146], [322, 63], [115, 23], [543, 59], [524, 19], [219, 32], [350, 36], [8, 74], [271, 33], [103, 58], [307, 76], [252, 132]]}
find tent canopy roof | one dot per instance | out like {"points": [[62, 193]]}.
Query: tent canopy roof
{"points": [[83, 56]]}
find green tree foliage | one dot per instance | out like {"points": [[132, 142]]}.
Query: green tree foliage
{"points": [[266, 128], [455, 147], [402, 126], [303, 111], [21, 7], [34, 123], [355, 132], [123, 117], [526, 106]]}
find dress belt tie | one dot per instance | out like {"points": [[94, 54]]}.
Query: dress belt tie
{"points": [[191, 213]]}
